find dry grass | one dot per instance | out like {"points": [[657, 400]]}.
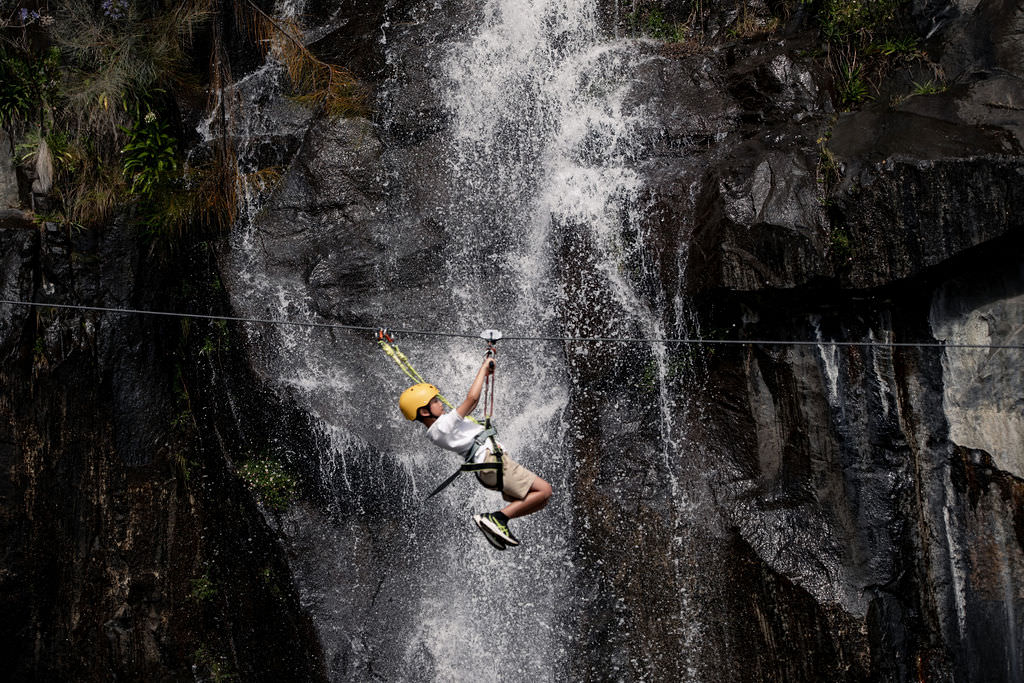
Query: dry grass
{"points": [[115, 62], [320, 84]]}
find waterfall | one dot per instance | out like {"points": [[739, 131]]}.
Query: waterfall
{"points": [[525, 212]]}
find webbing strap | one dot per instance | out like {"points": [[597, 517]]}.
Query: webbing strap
{"points": [[470, 466], [498, 466], [402, 361], [445, 483], [476, 466], [481, 437]]}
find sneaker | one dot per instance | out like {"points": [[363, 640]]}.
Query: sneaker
{"points": [[497, 528], [493, 539]]}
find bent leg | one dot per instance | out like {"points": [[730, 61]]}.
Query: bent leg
{"points": [[536, 498]]}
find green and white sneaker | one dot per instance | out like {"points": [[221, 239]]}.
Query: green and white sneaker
{"points": [[490, 522], [491, 537]]}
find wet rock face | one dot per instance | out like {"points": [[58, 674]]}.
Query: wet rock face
{"points": [[865, 501], [131, 549], [866, 476], [8, 175], [981, 401], [918, 184], [735, 166], [865, 484]]}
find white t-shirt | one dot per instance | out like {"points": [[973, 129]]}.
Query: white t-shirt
{"points": [[455, 433]]}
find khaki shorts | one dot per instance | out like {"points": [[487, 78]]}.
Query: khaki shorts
{"points": [[516, 480]]}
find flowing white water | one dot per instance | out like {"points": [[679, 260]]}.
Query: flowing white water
{"points": [[538, 181], [520, 127]]}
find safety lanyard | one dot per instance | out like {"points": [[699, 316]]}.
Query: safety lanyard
{"points": [[490, 336], [387, 342]]}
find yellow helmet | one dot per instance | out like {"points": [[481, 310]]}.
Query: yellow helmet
{"points": [[415, 397]]}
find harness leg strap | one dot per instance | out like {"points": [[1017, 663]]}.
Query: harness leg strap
{"points": [[469, 466]]}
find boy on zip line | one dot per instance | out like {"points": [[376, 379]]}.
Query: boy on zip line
{"points": [[524, 491]]}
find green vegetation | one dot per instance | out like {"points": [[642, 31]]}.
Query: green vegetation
{"points": [[866, 38], [841, 249], [217, 339], [150, 155], [653, 24], [270, 581], [863, 39], [39, 353], [218, 667], [891, 47], [90, 90], [850, 84], [184, 421], [183, 465], [26, 82], [271, 482], [650, 19], [750, 26], [858, 22], [203, 589], [828, 171], [928, 88]]}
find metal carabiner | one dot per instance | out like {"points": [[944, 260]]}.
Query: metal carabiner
{"points": [[491, 336]]}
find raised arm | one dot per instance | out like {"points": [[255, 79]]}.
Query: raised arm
{"points": [[473, 397]]}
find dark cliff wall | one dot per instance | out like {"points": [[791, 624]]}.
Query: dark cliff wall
{"points": [[841, 521], [881, 486], [131, 549], [845, 522]]}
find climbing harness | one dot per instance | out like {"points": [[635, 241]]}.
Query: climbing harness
{"points": [[488, 433], [469, 466], [386, 341]]}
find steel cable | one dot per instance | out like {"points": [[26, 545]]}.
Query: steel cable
{"points": [[510, 337]]}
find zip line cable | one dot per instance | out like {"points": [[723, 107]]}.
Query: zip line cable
{"points": [[509, 337]]}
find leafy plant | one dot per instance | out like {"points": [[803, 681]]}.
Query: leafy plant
{"points": [[749, 25], [857, 21], [828, 166], [890, 47], [57, 144], [929, 88], [840, 246], [184, 466], [185, 418], [26, 82], [220, 670], [270, 481], [95, 190], [270, 580], [203, 588], [656, 27], [652, 23], [851, 85], [16, 92], [150, 156]]}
